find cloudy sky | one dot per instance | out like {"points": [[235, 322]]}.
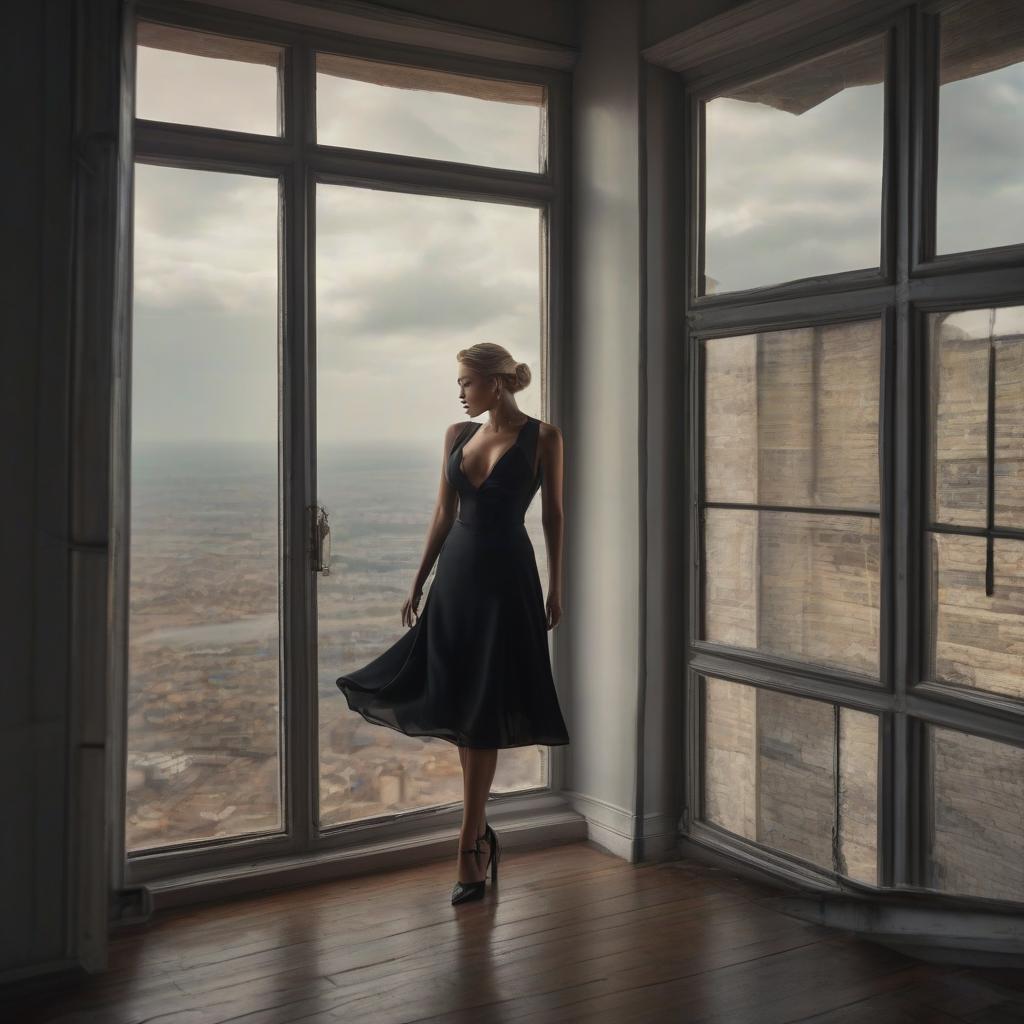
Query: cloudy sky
{"points": [[980, 189], [790, 196], [403, 282], [793, 196]]}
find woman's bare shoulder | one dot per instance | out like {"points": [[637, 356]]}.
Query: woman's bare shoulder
{"points": [[450, 434], [548, 433]]}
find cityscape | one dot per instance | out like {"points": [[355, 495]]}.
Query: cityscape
{"points": [[204, 718]]}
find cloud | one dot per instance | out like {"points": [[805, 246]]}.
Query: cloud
{"points": [[212, 93], [402, 283], [981, 152], [794, 196], [204, 239], [437, 125], [790, 196]]}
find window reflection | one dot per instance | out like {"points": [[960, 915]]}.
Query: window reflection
{"points": [[977, 816], [770, 776], [961, 345], [976, 429], [858, 795], [791, 419], [793, 584], [976, 639]]}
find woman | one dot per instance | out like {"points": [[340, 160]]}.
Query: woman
{"points": [[474, 668]]}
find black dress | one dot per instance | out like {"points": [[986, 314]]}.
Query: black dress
{"points": [[474, 667]]}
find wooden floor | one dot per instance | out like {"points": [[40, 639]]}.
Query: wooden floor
{"points": [[571, 933]]}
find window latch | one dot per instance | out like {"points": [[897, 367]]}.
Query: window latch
{"points": [[320, 541]]}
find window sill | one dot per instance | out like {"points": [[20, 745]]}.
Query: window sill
{"points": [[543, 822]]}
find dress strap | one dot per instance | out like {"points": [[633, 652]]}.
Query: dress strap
{"points": [[463, 435], [530, 437]]}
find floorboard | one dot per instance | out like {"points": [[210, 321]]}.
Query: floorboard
{"points": [[571, 934]]}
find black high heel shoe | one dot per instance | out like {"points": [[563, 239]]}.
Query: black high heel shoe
{"points": [[463, 892]]}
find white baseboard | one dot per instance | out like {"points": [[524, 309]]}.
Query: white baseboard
{"points": [[615, 829], [517, 831]]}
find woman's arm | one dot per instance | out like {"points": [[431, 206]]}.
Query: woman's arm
{"points": [[550, 443], [445, 508]]}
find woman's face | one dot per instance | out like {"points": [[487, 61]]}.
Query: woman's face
{"points": [[473, 392]]}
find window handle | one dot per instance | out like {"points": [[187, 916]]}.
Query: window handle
{"points": [[320, 541]]}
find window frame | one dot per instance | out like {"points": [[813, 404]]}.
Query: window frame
{"points": [[792, 664], [1010, 708], [910, 283], [924, 261], [300, 164], [885, 271]]}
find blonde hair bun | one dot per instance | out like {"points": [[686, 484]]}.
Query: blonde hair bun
{"points": [[490, 359]]}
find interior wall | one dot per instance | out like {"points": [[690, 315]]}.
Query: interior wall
{"points": [[602, 525], [554, 21], [626, 557], [35, 773], [664, 432], [664, 18]]}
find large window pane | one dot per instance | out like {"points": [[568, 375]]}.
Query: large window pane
{"points": [[730, 756], [961, 345], [858, 795], [403, 282], [810, 203], [976, 374], [203, 692], [959, 417], [795, 775], [977, 816], [980, 183], [395, 108], [769, 775], [1009, 419], [209, 81], [794, 584], [976, 640], [791, 417]]}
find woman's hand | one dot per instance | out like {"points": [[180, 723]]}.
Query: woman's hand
{"points": [[409, 607], [554, 608]]}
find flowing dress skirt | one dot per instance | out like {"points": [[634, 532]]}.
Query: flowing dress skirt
{"points": [[474, 669]]}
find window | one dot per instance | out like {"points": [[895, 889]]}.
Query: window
{"points": [[791, 483], [975, 554], [204, 751], [403, 282], [771, 775], [426, 113], [298, 309], [980, 186], [857, 457], [810, 203], [194, 78], [977, 829]]}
